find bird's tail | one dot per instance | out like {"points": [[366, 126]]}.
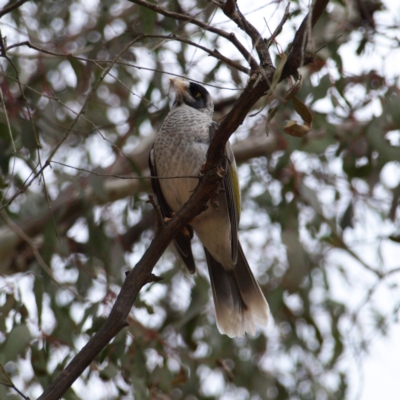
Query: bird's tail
{"points": [[240, 305]]}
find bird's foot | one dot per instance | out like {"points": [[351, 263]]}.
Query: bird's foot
{"points": [[221, 172], [167, 219]]}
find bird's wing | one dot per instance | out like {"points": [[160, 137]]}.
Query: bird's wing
{"points": [[230, 187], [183, 239]]}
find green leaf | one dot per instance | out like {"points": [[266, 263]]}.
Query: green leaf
{"points": [[395, 238], [310, 197], [375, 135], [4, 378], [148, 19], [297, 259], [38, 291], [320, 91], [5, 309], [347, 218], [109, 372], [17, 341]]}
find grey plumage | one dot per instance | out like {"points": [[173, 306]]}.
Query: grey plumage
{"points": [[180, 149]]}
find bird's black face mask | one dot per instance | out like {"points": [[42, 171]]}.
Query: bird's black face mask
{"points": [[199, 95]]}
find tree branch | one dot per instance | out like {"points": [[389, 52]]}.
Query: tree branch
{"points": [[141, 274], [232, 11], [188, 18], [12, 7], [278, 29], [297, 57], [34, 175], [71, 203], [257, 86], [215, 53]]}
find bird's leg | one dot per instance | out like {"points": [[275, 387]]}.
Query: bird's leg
{"points": [[221, 171]]}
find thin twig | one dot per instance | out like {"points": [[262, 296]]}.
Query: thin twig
{"points": [[297, 56], [7, 120], [278, 29], [125, 177], [12, 7], [72, 111], [20, 393], [231, 10], [122, 63], [38, 145], [12, 225], [74, 122], [215, 53], [181, 17], [256, 87]]}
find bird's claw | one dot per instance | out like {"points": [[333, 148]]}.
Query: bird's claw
{"points": [[167, 219], [221, 172]]}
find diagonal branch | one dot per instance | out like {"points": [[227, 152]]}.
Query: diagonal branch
{"points": [[297, 57], [141, 274], [72, 201], [215, 53], [257, 86], [34, 175], [182, 17], [232, 11], [278, 29], [12, 7]]}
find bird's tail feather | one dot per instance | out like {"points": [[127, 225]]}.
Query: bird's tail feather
{"points": [[240, 305]]}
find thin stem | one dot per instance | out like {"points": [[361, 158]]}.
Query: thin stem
{"points": [[12, 7], [181, 17]]}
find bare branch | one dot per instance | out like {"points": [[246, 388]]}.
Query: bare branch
{"points": [[36, 253], [141, 274], [12, 7], [257, 86], [278, 29], [215, 53], [182, 17], [123, 176], [69, 130], [98, 62], [70, 203], [7, 120], [297, 57], [232, 11]]}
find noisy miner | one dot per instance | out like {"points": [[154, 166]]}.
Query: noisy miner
{"points": [[180, 149]]}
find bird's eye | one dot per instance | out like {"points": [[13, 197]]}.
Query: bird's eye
{"points": [[197, 95]]}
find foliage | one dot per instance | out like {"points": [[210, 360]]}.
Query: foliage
{"points": [[84, 93]]}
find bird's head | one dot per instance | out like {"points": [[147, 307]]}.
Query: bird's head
{"points": [[192, 94]]}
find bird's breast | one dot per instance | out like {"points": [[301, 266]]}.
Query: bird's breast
{"points": [[180, 152]]}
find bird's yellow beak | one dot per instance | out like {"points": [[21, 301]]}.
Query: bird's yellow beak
{"points": [[179, 86]]}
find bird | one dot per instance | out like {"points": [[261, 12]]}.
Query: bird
{"points": [[180, 150]]}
